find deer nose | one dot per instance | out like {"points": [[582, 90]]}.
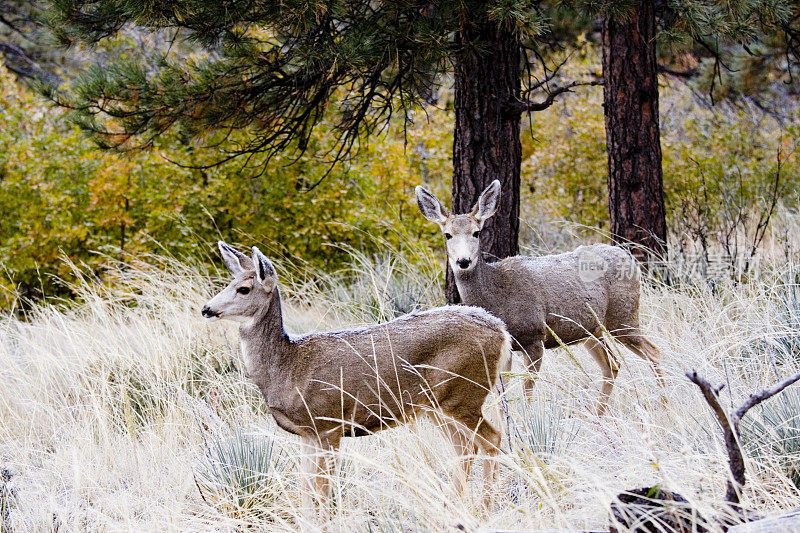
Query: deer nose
{"points": [[207, 312], [464, 263]]}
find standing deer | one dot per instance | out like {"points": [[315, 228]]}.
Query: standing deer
{"points": [[326, 386], [548, 300]]}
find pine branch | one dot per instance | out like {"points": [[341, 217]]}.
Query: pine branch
{"points": [[356, 66], [683, 74], [522, 106]]}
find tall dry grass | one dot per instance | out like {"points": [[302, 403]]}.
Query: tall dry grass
{"points": [[130, 412]]}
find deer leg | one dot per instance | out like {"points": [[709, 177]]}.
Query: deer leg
{"points": [[488, 438], [468, 436], [638, 344], [308, 469], [533, 355], [609, 367], [317, 469], [465, 448]]}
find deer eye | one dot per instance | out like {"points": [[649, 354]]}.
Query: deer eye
{"points": [[243, 290], [477, 234], [448, 236]]}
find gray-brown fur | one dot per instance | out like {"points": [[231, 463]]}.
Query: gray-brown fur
{"points": [[570, 297], [355, 382]]}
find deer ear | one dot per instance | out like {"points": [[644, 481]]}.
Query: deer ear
{"points": [[265, 272], [236, 261], [488, 202], [430, 206]]}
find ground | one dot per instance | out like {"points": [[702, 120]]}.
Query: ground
{"points": [[129, 411]]}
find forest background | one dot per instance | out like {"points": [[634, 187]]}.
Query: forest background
{"points": [[122, 408], [729, 166]]}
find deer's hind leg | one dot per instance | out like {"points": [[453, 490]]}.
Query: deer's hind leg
{"points": [[631, 337], [609, 366], [533, 352], [488, 438], [466, 448], [468, 436], [648, 351]]}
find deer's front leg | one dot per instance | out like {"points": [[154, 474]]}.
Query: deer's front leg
{"points": [[317, 469]]}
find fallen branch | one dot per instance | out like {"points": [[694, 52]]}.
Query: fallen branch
{"points": [[730, 427], [756, 399]]}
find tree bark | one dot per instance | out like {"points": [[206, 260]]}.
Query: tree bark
{"points": [[635, 184], [486, 143]]}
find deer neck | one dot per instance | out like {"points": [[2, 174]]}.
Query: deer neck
{"points": [[473, 285], [264, 341]]}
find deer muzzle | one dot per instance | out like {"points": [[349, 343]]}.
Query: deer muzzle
{"points": [[207, 312]]}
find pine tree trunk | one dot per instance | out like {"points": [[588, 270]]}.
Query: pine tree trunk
{"points": [[635, 186], [486, 144]]}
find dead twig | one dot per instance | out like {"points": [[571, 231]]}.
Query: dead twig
{"points": [[522, 106], [730, 428]]}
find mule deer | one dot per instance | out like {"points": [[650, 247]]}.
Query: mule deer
{"points": [[326, 386], [548, 300]]}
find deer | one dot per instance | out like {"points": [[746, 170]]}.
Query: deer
{"points": [[550, 300], [322, 387]]}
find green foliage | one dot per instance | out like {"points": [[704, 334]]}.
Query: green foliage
{"points": [[241, 475], [60, 196], [771, 432], [268, 70], [720, 166], [542, 428], [564, 167], [27, 44], [725, 171], [279, 71], [740, 51]]}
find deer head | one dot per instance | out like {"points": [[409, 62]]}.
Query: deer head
{"points": [[462, 232], [250, 292]]}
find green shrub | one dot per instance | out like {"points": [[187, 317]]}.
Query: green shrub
{"points": [[541, 428], [60, 196], [719, 167], [242, 475], [771, 433]]}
